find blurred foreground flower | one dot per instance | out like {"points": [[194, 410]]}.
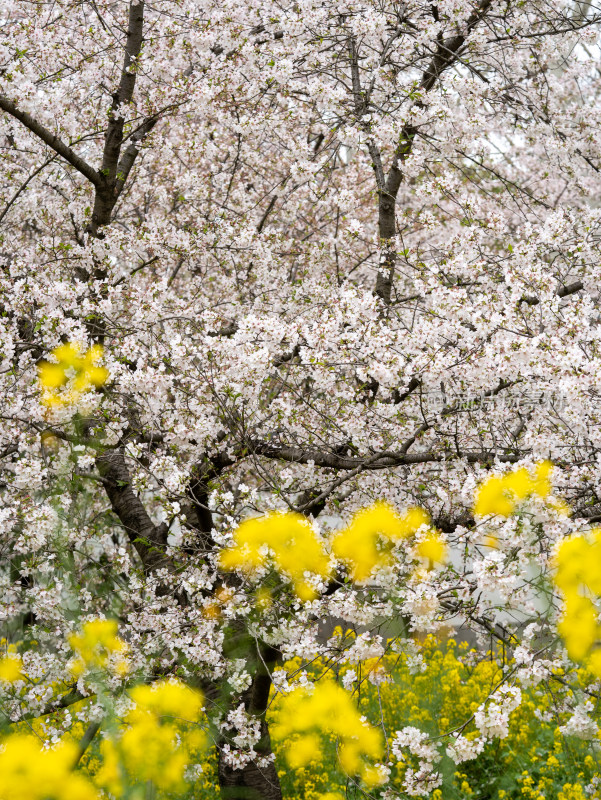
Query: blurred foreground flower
{"points": [[161, 737], [578, 576], [96, 646], [11, 668], [285, 539], [501, 494], [365, 544], [70, 373], [305, 715], [29, 772], [432, 549]]}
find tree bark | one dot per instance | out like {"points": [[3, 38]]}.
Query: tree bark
{"points": [[445, 55], [254, 782]]}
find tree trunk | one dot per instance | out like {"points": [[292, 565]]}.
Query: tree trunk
{"points": [[252, 782], [255, 782]]}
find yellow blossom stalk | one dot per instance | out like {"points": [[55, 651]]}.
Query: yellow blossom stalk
{"points": [[161, 736], [432, 549], [577, 575], [28, 772], [94, 646], [11, 668]]}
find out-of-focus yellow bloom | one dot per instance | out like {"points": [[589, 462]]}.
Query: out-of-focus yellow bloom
{"points": [[171, 699], [285, 540], [577, 574], [501, 494], [27, 772], [492, 498], [432, 549], [578, 627], [11, 669], [161, 736], [263, 598], [578, 562], [110, 776], [95, 645], [71, 373], [306, 749], [365, 544], [305, 715]]}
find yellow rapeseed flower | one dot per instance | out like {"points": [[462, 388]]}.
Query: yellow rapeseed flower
{"points": [[70, 373], [95, 644], [501, 494], [577, 574], [305, 715], [28, 772], [365, 544], [161, 736], [11, 669], [285, 540], [432, 549]]}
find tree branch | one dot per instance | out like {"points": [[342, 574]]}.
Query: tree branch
{"points": [[148, 539], [384, 459], [53, 141], [86, 741], [125, 92], [563, 291], [131, 151], [24, 185], [445, 55]]}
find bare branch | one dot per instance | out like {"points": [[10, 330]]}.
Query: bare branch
{"points": [[384, 459], [24, 185], [564, 291]]}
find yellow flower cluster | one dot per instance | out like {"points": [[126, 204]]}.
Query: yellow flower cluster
{"points": [[305, 715], [11, 668], [28, 772], [432, 549], [366, 543], [501, 494], [71, 373], [438, 698], [287, 541], [95, 646], [578, 576], [160, 737]]}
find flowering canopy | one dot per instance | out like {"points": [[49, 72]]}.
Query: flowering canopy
{"points": [[265, 258]]}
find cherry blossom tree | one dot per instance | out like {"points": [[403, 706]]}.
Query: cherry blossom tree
{"points": [[327, 254]]}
